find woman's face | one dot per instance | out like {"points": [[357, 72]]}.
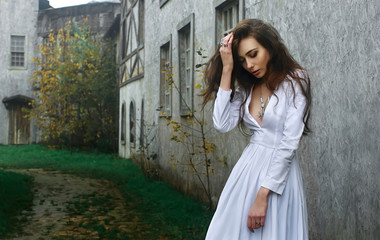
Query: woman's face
{"points": [[253, 57]]}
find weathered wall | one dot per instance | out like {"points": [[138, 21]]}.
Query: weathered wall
{"points": [[17, 17], [337, 41], [162, 25]]}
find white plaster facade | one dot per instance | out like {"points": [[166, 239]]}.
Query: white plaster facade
{"points": [[18, 18]]}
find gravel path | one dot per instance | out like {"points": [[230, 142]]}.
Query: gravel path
{"points": [[72, 207]]}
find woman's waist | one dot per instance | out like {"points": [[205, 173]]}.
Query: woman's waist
{"points": [[265, 140]]}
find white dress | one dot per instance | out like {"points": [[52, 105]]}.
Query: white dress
{"points": [[269, 160]]}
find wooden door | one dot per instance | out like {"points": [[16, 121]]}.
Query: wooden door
{"points": [[19, 125]]}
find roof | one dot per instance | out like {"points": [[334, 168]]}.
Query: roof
{"points": [[20, 99]]}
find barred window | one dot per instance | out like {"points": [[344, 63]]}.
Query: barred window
{"points": [[17, 51]]}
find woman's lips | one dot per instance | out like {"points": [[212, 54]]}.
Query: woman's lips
{"points": [[255, 72]]}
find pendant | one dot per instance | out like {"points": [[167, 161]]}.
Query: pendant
{"points": [[261, 112]]}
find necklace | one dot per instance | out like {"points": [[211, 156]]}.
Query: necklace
{"points": [[262, 110]]}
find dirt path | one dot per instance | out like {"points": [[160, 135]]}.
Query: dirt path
{"points": [[71, 207]]}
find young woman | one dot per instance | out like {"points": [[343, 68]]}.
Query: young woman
{"points": [[261, 88]]}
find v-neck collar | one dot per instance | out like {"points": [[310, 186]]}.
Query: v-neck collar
{"points": [[249, 113]]}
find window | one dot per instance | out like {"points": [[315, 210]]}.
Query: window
{"points": [[18, 51], [124, 41], [185, 37], [165, 88], [185, 69], [132, 124], [123, 124], [228, 14]]}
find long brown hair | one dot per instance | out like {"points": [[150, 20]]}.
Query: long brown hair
{"points": [[280, 66]]}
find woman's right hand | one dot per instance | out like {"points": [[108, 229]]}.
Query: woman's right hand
{"points": [[226, 53]]}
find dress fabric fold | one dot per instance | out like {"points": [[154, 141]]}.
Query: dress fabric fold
{"points": [[269, 160]]}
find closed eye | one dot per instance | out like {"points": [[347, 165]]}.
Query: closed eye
{"points": [[252, 54]]}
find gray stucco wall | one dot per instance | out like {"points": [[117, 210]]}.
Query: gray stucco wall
{"points": [[337, 41], [163, 25], [18, 17]]}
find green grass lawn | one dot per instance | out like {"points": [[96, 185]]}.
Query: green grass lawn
{"points": [[15, 196], [165, 211]]}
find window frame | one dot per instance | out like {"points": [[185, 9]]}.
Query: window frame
{"points": [[123, 40], [123, 123], [132, 124], [165, 89], [220, 6], [25, 52], [186, 25]]}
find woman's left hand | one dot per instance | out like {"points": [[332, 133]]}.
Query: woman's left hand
{"points": [[258, 211]]}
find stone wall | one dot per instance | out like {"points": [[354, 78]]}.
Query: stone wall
{"points": [[337, 42]]}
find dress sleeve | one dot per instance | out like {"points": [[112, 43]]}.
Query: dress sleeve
{"points": [[277, 175], [226, 112]]}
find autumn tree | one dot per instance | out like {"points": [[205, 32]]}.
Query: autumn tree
{"points": [[193, 134], [76, 98]]}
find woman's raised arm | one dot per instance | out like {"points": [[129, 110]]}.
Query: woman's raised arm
{"points": [[228, 62]]}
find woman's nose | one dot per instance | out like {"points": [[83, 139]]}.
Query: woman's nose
{"points": [[250, 64]]}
